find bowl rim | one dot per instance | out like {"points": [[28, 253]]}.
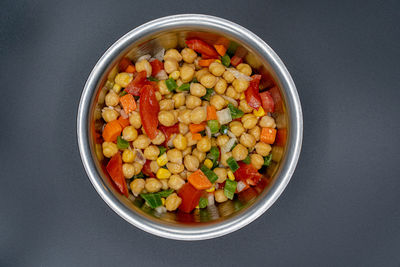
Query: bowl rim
{"points": [[293, 147]]}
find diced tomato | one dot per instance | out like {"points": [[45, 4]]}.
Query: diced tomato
{"points": [[248, 173], [124, 63], [136, 84], [156, 67], [267, 101], [114, 168], [202, 47], [146, 169], [149, 109], [168, 131], [190, 197], [235, 60], [252, 93], [276, 96]]}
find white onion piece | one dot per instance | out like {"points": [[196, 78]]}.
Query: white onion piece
{"points": [[117, 108], [210, 199], [208, 132], [228, 146], [169, 143], [160, 54], [217, 134], [140, 157], [161, 209], [231, 100], [224, 116], [240, 186], [161, 75], [131, 197], [230, 134], [217, 185], [123, 114], [238, 74], [144, 57]]}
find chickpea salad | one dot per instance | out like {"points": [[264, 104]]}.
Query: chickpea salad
{"points": [[185, 129]]}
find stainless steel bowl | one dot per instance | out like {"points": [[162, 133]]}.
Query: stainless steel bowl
{"points": [[227, 217]]}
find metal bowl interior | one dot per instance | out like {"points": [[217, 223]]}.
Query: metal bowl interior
{"points": [[171, 32]]}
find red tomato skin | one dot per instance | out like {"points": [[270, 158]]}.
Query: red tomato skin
{"points": [[252, 93], [136, 84], [190, 197], [202, 47], [235, 60], [267, 101], [168, 131], [248, 173], [114, 169], [147, 170], [149, 108], [156, 67]]}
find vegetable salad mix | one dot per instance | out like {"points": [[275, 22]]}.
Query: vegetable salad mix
{"points": [[185, 129]]}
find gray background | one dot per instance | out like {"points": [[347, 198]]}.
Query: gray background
{"points": [[341, 207]]}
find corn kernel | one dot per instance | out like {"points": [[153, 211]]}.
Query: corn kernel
{"points": [[260, 112], [123, 79], [116, 88], [162, 160], [208, 163], [163, 201], [210, 190], [163, 173], [231, 176], [197, 207], [242, 96], [218, 61], [175, 75]]}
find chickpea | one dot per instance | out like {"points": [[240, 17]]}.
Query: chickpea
{"points": [[162, 87], [192, 101], [213, 142], [221, 173], [179, 82], [263, 149], [134, 119], [109, 114], [218, 102], [240, 85], [180, 142], [243, 106], [204, 144], [129, 133], [109, 149], [170, 65], [164, 183], [175, 182], [166, 118], [249, 121], [154, 166], [187, 73], [228, 76], [188, 55], [197, 89], [224, 157], [220, 86], [244, 68], [247, 140], [128, 156], [179, 99], [158, 96], [172, 54], [236, 128], [175, 156], [239, 152], [200, 155], [143, 65], [152, 185], [141, 142], [112, 99], [208, 80], [198, 115], [137, 185], [189, 138], [257, 161], [191, 163], [256, 132], [200, 73], [231, 92], [159, 139], [222, 140], [138, 167], [128, 170], [267, 121], [183, 128], [175, 167], [216, 68], [220, 196], [187, 151], [166, 104], [184, 116], [151, 152], [172, 202]]}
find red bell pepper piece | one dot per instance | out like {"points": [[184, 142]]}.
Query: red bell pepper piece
{"points": [[190, 197], [156, 67], [235, 60], [267, 101], [248, 173], [252, 93], [146, 169], [124, 63], [168, 131], [136, 84], [202, 47], [149, 109], [114, 168]]}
